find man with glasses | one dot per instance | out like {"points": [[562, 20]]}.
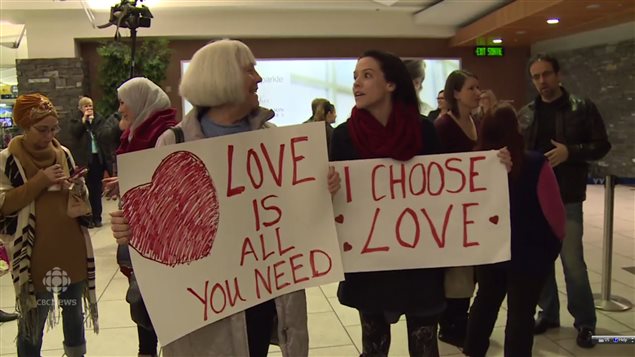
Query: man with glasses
{"points": [[94, 142], [442, 107], [570, 132]]}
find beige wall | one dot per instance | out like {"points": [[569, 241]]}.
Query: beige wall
{"points": [[505, 76], [52, 33]]}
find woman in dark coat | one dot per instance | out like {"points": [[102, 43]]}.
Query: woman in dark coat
{"points": [[385, 124], [537, 229]]}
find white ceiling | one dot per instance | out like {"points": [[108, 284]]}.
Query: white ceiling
{"points": [[452, 12], [427, 15], [99, 5], [456, 12]]}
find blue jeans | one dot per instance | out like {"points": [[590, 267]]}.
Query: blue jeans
{"points": [[72, 323], [579, 297]]}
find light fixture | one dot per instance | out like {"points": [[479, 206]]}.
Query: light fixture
{"points": [[553, 21], [593, 6], [521, 32], [497, 40]]}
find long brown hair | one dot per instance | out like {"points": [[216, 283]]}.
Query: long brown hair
{"points": [[454, 83], [499, 128]]}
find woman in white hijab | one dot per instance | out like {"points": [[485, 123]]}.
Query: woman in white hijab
{"points": [[146, 114]]}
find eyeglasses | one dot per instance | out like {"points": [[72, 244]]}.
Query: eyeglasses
{"points": [[45, 130], [544, 74]]}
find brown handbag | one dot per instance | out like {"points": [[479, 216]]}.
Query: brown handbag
{"points": [[78, 204]]}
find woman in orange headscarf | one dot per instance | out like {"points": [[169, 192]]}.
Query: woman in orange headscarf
{"points": [[51, 250]]}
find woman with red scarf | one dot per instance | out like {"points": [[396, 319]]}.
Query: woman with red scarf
{"points": [[146, 113], [385, 124]]}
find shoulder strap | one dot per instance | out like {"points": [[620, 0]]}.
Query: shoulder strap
{"points": [[178, 134]]}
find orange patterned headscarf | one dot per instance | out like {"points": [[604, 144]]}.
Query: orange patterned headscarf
{"points": [[31, 108]]}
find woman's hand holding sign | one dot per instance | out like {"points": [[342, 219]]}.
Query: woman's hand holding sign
{"points": [[333, 179], [120, 227], [506, 158]]}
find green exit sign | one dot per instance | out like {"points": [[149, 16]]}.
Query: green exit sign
{"points": [[489, 51]]}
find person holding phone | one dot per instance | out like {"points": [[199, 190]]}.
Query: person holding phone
{"points": [[51, 251]]}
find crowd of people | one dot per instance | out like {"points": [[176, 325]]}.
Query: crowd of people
{"points": [[545, 147]]}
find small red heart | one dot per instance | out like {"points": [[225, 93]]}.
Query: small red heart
{"points": [[339, 219], [174, 218], [494, 219], [347, 247]]}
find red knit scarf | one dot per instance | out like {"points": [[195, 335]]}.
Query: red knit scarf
{"points": [[146, 134], [400, 139]]}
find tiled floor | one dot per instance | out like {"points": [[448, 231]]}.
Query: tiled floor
{"points": [[334, 329]]}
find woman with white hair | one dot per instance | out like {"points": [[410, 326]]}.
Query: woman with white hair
{"points": [[146, 113], [221, 83]]}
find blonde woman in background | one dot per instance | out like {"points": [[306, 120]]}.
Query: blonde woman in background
{"points": [[486, 102], [323, 111]]}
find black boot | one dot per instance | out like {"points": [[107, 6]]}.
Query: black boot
{"points": [[453, 334], [453, 322], [7, 316]]}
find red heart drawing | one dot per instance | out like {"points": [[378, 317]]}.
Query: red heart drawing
{"points": [[494, 219], [347, 246], [339, 219], [174, 218]]}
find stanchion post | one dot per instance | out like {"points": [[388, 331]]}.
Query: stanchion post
{"points": [[607, 247], [605, 301]]}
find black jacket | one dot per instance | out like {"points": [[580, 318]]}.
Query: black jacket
{"points": [[398, 291], [434, 114], [580, 127], [106, 132]]}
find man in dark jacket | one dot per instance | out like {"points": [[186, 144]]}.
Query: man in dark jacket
{"points": [[570, 132], [442, 107], [94, 140]]}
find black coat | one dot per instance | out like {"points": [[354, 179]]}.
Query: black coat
{"points": [[399, 291], [580, 127], [107, 134]]}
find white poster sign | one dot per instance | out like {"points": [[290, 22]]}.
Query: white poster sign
{"points": [[220, 225], [432, 211]]}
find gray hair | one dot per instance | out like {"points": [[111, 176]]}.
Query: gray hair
{"points": [[215, 74]]}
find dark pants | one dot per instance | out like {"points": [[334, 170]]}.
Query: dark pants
{"points": [[422, 335], [522, 290], [93, 182], [260, 320], [147, 336], [70, 301], [453, 321], [147, 341]]}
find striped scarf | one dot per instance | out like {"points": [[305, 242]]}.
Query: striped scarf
{"points": [[18, 232]]}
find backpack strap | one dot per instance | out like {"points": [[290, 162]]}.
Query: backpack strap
{"points": [[178, 134]]}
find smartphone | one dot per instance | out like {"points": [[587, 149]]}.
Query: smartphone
{"points": [[79, 172]]}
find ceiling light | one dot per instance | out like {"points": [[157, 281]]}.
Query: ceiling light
{"points": [[593, 6], [106, 4], [521, 32], [497, 40], [553, 21]]}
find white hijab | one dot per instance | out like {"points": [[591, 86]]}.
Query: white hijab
{"points": [[144, 98]]}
